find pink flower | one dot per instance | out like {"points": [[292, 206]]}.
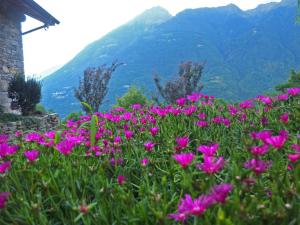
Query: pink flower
{"points": [[3, 199], [184, 206], [121, 179], [259, 150], [184, 159], [211, 164], [144, 162], [75, 139], [193, 97], [34, 137], [262, 135], [220, 192], [257, 166], [181, 101], [18, 133], [201, 116], [202, 123], [32, 155], [246, 104], [296, 147], [136, 106], [276, 141], [294, 157], [293, 91], [200, 205], [233, 111], [283, 97], [3, 138], [285, 117], [187, 206], [265, 99], [154, 130], [182, 142], [179, 216], [190, 110], [50, 134], [128, 134], [226, 122], [5, 166], [117, 140], [208, 150], [65, 147], [7, 150], [217, 120], [149, 145], [116, 161]]}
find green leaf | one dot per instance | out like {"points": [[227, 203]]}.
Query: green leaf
{"points": [[57, 137], [221, 215], [88, 107], [94, 124]]}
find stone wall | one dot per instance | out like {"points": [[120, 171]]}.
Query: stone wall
{"points": [[11, 51], [31, 123]]}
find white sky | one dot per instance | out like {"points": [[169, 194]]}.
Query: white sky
{"points": [[84, 21]]}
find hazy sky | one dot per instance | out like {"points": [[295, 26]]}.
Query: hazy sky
{"points": [[84, 21]]}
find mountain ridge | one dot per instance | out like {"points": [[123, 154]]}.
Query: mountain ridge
{"points": [[239, 48]]}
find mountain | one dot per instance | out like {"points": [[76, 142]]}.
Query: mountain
{"points": [[246, 53], [48, 72]]}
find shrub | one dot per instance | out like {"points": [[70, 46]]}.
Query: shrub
{"points": [[189, 75], [40, 109], [9, 117], [75, 116], [93, 87], [133, 96], [293, 81], [25, 94]]}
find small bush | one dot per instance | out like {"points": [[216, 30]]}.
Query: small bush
{"points": [[40, 109], [75, 116], [25, 94], [187, 82], [293, 81], [133, 96], [9, 117]]}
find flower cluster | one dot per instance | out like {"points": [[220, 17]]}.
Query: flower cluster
{"points": [[195, 207], [211, 163]]}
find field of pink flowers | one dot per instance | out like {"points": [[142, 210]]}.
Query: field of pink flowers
{"points": [[201, 161]]}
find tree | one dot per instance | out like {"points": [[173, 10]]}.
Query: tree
{"points": [[189, 75], [293, 81], [93, 87], [25, 94], [133, 96]]}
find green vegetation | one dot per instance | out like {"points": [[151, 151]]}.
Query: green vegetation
{"points": [[25, 94], [201, 161], [39, 108], [74, 116], [133, 96], [9, 117], [293, 81]]}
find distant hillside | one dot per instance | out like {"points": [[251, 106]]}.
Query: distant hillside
{"points": [[246, 52]]}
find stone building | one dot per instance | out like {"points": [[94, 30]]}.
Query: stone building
{"points": [[12, 14]]}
